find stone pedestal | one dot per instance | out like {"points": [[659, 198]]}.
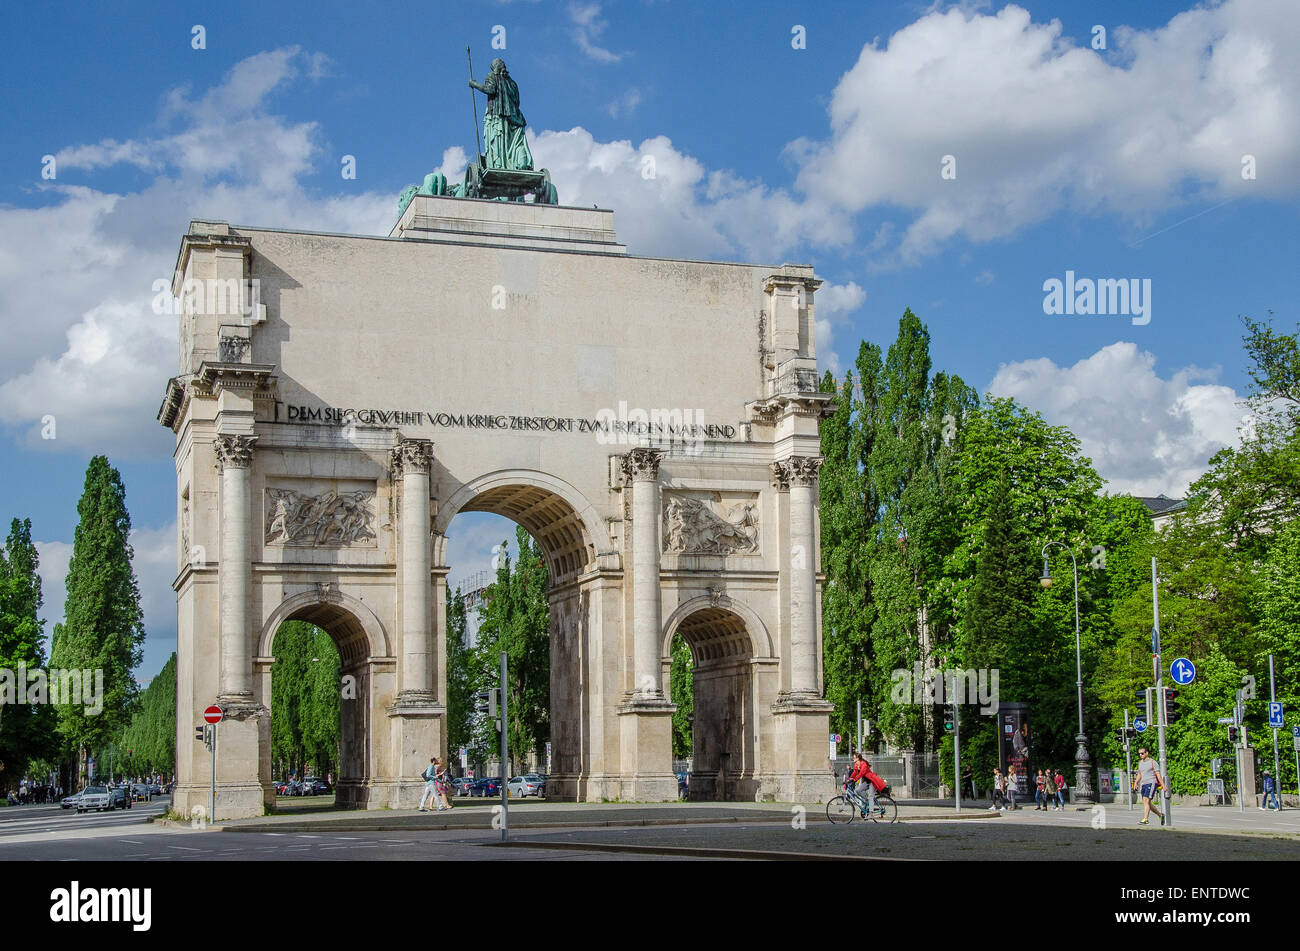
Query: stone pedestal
{"points": [[417, 734], [802, 763], [646, 741]]}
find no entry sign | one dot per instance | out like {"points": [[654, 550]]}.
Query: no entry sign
{"points": [[212, 714]]}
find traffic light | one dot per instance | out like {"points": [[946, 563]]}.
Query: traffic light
{"points": [[1171, 706], [1233, 734], [1144, 702], [200, 733], [485, 701], [949, 717]]}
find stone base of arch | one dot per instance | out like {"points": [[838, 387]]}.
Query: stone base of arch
{"points": [[801, 767], [646, 744]]}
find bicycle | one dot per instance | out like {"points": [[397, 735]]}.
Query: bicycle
{"points": [[848, 806]]}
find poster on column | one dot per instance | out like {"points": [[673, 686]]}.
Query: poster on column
{"points": [[1014, 744]]}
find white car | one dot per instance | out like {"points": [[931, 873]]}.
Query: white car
{"points": [[530, 785], [95, 797], [68, 802]]}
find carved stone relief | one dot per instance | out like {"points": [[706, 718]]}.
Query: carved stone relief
{"points": [[328, 520], [706, 523]]}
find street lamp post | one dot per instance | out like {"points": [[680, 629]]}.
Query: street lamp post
{"points": [[1082, 762]]}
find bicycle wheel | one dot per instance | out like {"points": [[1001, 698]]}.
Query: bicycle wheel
{"points": [[840, 810], [886, 809]]}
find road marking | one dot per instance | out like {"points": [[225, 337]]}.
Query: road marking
{"points": [[186, 848], [131, 842]]}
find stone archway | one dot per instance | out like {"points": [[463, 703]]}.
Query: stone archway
{"points": [[365, 664], [580, 563], [725, 639], [654, 423]]}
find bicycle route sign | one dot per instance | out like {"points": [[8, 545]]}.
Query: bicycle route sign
{"points": [[1140, 725]]}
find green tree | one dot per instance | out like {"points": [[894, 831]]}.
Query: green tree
{"points": [[103, 627], [682, 689], [305, 700], [26, 730], [516, 621], [150, 737], [460, 682]]}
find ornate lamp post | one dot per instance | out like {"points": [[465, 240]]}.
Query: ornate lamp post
{"points": [[1082, 762]]}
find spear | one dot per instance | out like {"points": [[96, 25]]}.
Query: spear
{"points": [[474, 105]]}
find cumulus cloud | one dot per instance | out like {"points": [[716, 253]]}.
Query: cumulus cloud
{"points": [[669, 204], [53, 571], [1145, 434], [1035, 125], [82, 342], [833, 305]]}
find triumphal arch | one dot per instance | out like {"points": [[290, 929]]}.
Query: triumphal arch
{"points": [[653, 423]]}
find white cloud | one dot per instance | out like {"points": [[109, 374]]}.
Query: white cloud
{"points": [[669, 204], [154, 561], [1037, 125], [82, 341], [587, 28], [832, 306], [1145, 434], [53, 571], [625, 104]]}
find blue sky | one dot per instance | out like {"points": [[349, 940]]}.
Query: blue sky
{"points": [[770, 143]]}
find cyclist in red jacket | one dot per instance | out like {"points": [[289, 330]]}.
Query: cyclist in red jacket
{"points": [[864, 780]]}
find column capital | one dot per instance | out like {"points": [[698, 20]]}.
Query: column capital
{"points": [[642, 465], [780, 476], [803, 470], [412, 455], [234, 452]]}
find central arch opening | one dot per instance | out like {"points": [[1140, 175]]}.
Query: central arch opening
{"points": [[520, 592]]}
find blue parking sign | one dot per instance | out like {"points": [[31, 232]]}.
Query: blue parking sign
{"points": [[1275, 714], [1295, 732]]}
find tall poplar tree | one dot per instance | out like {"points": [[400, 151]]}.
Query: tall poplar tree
{"points": [[25, 730], [103, 628]]}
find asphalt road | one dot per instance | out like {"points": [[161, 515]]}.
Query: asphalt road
{"points": [[583, 832]]}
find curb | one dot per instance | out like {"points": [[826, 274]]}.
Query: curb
{"points": [[687, 852]]}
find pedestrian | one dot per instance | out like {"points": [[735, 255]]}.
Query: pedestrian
{"points": [[1270, 790], [996, 798], [430, 775], [1149, 781], [1040, 792], [442, 781], [968, 781], [1060, 790], [1013, 787]]}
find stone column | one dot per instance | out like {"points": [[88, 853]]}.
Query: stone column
{"points": [[412, 459], [235, 569], [801, 473], [641, 468]]}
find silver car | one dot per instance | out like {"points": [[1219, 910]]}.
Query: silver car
{"points": [[95, 797], [69, 801]]}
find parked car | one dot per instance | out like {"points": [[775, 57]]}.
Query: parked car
{"points": [[119, 797], [141, 792], [530, 785], [95, 797], [461, 785], [317, 787], [71, 801], [487, 787]]}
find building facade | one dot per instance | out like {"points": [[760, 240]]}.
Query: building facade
{"points": [[653, 423]]}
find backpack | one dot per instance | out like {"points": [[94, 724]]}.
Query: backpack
{"points": [[428, 774]]}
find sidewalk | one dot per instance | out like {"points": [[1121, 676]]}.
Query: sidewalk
{"points": [[524, 814]]}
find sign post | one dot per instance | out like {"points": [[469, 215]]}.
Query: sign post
{"points": [[1128, 761], [1167, 799], [1276, 721], [505, 792], [213, 716]]}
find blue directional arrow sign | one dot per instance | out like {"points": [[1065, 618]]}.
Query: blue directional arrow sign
{"points": [[1275, 714], [1140, 725], [1183, 671]]}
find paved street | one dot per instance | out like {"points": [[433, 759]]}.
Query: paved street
{"points": [[541, 831]]}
